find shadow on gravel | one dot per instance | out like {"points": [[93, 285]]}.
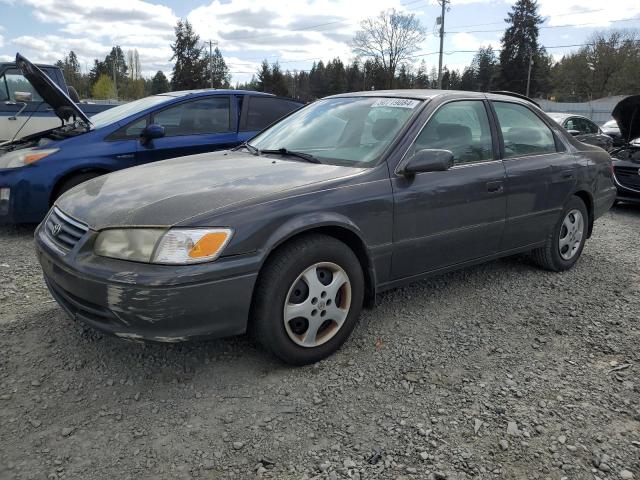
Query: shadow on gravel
{"points": [[18, 230]]}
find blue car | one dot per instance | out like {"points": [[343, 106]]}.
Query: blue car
{"points": [[37, 169]]}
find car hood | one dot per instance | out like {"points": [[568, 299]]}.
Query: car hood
{"points": [[173, 191], [62, 105], [627, 115]]}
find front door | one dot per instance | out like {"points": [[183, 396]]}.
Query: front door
{"points": [[194, 126], [446, 218]]}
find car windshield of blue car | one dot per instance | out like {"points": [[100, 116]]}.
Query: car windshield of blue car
{"points": [[126, 110], [353, 131]]}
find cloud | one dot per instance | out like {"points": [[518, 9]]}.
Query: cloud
{"points": [[593, 13], [467, 41], [90, 28], [304, 29]]}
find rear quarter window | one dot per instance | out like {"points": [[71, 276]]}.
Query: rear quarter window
{"points": [[263, 111]]}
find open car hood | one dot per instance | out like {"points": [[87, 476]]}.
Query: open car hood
{"points": [[62, 105], [627, 114]]}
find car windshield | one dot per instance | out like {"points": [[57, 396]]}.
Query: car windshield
{"points": [[121, 112], [351, 131]]}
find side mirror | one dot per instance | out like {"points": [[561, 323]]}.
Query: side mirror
{"points": [[150, 133], [428, 161], [23, 97], [574, 132]]}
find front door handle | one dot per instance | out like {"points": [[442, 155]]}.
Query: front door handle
{"points": [[495, 187]]}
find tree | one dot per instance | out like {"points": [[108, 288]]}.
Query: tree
{"points": [[189, 70], [485, 69], [133, 64], [103, 89], [221, 76], [520, 46], [159, 83], [390, 38], [609, 64]]}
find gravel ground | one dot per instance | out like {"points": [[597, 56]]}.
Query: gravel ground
{"points": [[498, 371]]}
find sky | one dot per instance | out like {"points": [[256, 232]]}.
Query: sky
{"points": [[295, 33]]}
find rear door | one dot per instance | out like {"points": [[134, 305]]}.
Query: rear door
{"points": [[540, 174], [258, 112], [445, 218], [204, 124]]}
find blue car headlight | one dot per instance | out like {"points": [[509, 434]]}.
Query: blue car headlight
{"points": [[25, 156]]}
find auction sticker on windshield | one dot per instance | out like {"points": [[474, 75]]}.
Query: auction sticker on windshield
{"points": [[395, 102]]}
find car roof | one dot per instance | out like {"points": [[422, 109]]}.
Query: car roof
{"points": [[427, 94], [214, 91]]}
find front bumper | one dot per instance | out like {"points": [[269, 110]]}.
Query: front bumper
{"points": [[148, 302], [626, 193], [24, 201]]}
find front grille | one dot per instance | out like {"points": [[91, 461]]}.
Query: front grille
{"points": [[63, 230], [77, 306], [628, 177]]}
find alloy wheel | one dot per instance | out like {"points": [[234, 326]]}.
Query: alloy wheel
{"points": [[317, 304], [571, 233]]}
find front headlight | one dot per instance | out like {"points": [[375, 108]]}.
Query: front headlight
{"points": [[26, 156], [178, 246]]}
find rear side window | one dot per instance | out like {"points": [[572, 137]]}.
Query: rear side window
{"points": [[263, 111], [523, 132], [461, 127], [208, 115]]}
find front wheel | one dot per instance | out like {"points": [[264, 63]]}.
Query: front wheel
{"points": [[308, 299], [566, 241]]}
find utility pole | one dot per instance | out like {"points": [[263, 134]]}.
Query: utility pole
{"points": [[440, 19], [211, 43], [529, 72]]}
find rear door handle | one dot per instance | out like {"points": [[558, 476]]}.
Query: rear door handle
{"points": [[495, 187]]}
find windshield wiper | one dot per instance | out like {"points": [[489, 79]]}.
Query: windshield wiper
{"points": [[253, 150], [290, 153]]}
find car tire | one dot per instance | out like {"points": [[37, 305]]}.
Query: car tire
{"points": [[74, 181], [320, 313], [566, 241]]}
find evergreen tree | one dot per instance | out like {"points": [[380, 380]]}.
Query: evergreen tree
{"points": [[159, 83], [221, 76], [485, 69], [189, 70], [422, 79], [263, 77], [335, 77], [519, 46]]}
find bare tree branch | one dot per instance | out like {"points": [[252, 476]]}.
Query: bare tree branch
{"points": [[390, 38]]}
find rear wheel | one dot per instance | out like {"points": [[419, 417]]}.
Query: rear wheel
{"points": [[566, 241], [308, 299]]}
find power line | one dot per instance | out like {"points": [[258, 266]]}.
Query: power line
{"points": [[549, 26]]}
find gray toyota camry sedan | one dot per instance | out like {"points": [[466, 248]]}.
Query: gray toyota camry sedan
{"points": [[291, 234]]}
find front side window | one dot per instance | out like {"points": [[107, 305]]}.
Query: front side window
{"points": [[523, 132], [461, 127], [208, 115], [352, 131], [13, 81]]}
